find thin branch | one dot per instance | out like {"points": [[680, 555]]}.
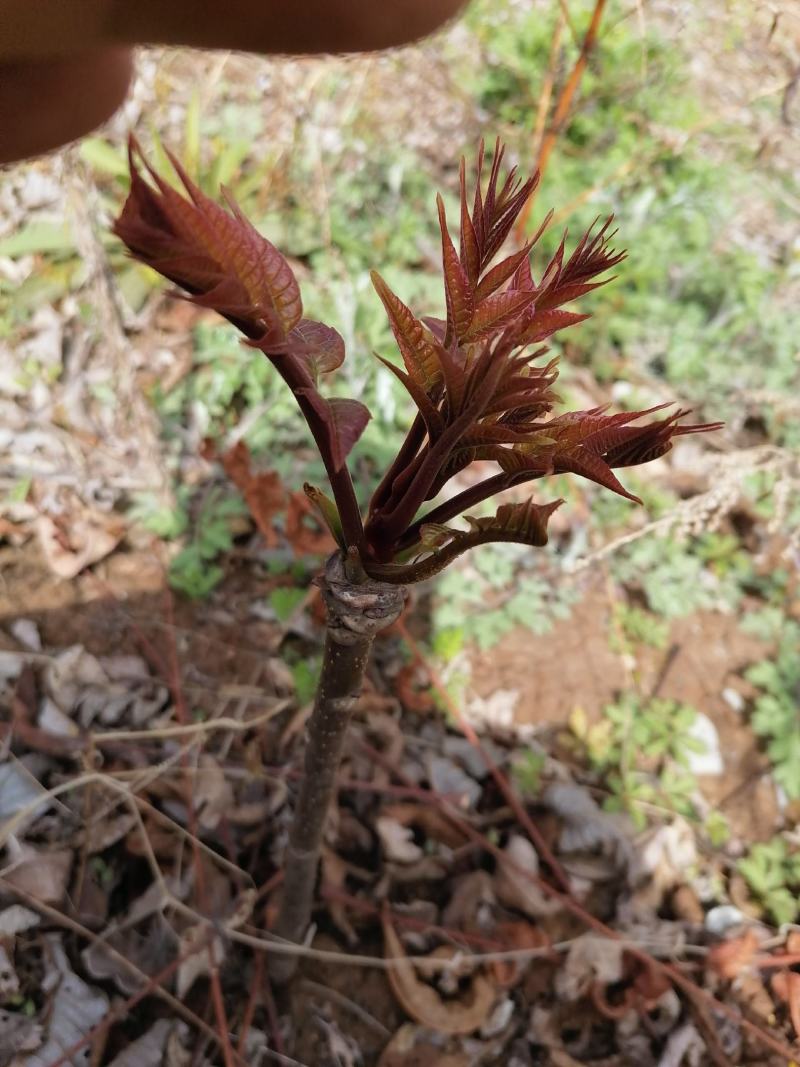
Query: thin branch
{"points": [[563, 105], [151, 984]]}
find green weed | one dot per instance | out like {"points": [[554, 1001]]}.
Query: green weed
{"points": [[776, 717], [772, 870], [640, 749], [194, 571]]}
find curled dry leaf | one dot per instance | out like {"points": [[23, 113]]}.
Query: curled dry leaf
{"points": [[18, 1033], [591, 958], [410, 1048], [431, 821], [41, 874], [519, 935], [397, 840], [72, 542], [74, 1008], [424, 1004], [304, 531], [514, 881], [148, 1050], [786, 986], [263, 491], [731, 957]]}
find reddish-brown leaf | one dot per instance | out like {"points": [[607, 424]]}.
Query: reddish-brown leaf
{"points": [[216, 255], [319, 347], [729, 958], [499, 274], [495, 312], [344, 420], [263, 491], [458, 291], [419, 354], [470, 250], [304, 529], [786, 986], [544, 324]]}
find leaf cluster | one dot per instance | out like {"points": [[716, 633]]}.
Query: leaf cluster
{"points": [[772, 870], [776, 717], [641, 749], [477, 378]]}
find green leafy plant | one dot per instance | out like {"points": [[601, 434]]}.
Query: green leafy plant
{"points": [[526, 772], [194, 570], [641, 750], [775, 716], [772, 870], [488, 606], [481, 391], [637, 627], [676, 579]]}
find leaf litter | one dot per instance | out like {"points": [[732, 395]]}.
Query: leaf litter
{"points": [[425, 870]]}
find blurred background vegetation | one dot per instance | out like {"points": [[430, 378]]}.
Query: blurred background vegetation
{"points": [[683, 127]]}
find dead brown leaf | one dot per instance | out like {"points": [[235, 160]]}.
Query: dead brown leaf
{"points": [[424, 1004], [414, 689], [516, 935], [409, 1048], [263, 491], [431, 821], [304, 531], [733, 956], [41, 874], [397, 840], [213, 794], [516, 890], [786, 986], [73, 540]]}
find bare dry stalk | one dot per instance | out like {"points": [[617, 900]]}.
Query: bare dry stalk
{"points": [[358, 609], [546, 92], [563, 103]]}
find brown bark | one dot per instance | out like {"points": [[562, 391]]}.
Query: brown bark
{"points": [[358, 609]]}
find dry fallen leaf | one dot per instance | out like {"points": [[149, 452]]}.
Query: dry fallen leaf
{"points": [[263, 491], [304, 531], [41, 874], [514, 888], [431, 821], [73, 1007], [518, 935], [424, 1004], [731, 957], [591, 958], [72, 542], [213, 794], [18, 1033], [410, 1048], [786, 986], [198, 956], [397, 841], [471, 900], [148, 1050], [15, 920]]}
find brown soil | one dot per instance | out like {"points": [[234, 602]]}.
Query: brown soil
{"points": [[575, 666]]}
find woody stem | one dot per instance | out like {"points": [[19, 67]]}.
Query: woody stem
{"points": [[358, 609]]}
